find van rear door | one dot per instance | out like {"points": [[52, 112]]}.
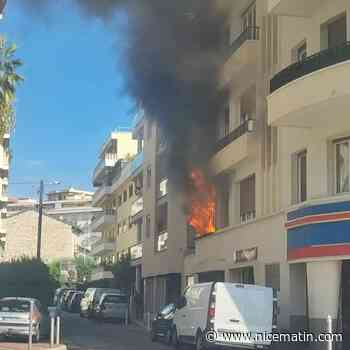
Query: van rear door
{"points": [[243, 311]]}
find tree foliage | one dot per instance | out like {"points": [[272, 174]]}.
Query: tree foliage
{"points": [[9, 79], [27, 278], [84, 267], [56, 272], [123, 273]]}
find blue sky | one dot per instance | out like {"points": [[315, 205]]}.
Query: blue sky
{"points": [[72, 97]]}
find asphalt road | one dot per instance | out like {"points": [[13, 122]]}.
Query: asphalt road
{"points": [[83, 334]]}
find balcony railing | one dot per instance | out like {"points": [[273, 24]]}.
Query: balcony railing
{"points": [[250, 33], [137, 207], [233, 135], [105, 212], [310, 64], [108, 160]]}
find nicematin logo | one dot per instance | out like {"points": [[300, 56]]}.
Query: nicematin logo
{"points": [[301, 337]]}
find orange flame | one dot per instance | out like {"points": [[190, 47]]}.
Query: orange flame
{"points": [[202, 204]]}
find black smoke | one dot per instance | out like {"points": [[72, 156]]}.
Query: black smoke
{"points": [[171, 59]]}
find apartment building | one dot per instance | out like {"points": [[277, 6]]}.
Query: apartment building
{"points": [[281, 167], [4, 173], [71, 206], [112, 174]]}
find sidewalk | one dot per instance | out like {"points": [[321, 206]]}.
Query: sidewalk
{"points": [[23, 346]]}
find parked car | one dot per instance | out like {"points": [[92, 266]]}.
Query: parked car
{"points": [[86, 301], [224, 308], [97, 297], [112, 307], [73, 304], [14, 318], [66, 298], [162, 324]]}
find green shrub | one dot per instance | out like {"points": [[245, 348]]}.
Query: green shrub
{"points": [[27, 278]]}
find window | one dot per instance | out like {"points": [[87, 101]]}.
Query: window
{"points": [[118, 229], [163, 188], [148, 226], [342, 166], [162, 242], [149, 177], [162, 218], [301, 189], [139, 230], [119, 200], [125, 226], [125, 196], [131, 190], [130, 222], [249, 17], [247, 199], [336, 32], [227, 120]]}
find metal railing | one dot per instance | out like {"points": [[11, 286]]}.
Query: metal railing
{"points": [[250, 33], [232, 136], [109, 212], [313, 63]]}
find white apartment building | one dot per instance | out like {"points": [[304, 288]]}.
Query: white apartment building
{"points": [[112, 174], [282, 157], [4, 173]]}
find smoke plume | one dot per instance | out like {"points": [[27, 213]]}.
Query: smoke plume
{"points": [[171, 61]]}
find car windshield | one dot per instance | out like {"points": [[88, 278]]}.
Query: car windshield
{"points": [[14, 306], [116, 299], [168, 310]]}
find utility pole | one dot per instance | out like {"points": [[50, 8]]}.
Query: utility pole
{"points": [[40, 220]]}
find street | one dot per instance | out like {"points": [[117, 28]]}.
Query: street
{"points": [[83, 334]]}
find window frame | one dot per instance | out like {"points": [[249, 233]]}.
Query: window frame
{"points": [[335, 171], [298, 194]]}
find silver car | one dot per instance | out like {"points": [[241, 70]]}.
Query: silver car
{"points": [[112, 306], [14, 318]]}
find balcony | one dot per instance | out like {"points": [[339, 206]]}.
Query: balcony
{"points": [[136, 252], [101, 193], [103, 248], [232, 149], [241, 57], [103, 167], [136, 209], [103, 219], [101, 272], [308, 93], [293, 8]]}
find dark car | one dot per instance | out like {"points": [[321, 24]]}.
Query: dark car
{"points": [[162, 324], [66, 298], [74, 303]]}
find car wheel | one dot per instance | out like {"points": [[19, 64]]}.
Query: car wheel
{"points": [[200, 341], [174, 339]]}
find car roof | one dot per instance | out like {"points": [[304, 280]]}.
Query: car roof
{"points": [[114, 294], [19, 299]]}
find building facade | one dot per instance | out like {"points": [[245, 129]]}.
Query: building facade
{"points": [[114, 195], [71, 206], [282, 165], [4, 173], [58, 239]]}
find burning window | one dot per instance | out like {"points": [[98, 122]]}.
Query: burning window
{"points": [[202, 194]]}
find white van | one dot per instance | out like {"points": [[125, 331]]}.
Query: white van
{"points": [[227, 314]]}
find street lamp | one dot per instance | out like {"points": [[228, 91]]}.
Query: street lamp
{"points": [[40, 218], [2, 7]]}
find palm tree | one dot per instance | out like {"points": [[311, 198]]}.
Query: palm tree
{"points": [[9, 80]]}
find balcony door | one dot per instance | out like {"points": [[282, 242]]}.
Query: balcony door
{"points": [[334, 32]]}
